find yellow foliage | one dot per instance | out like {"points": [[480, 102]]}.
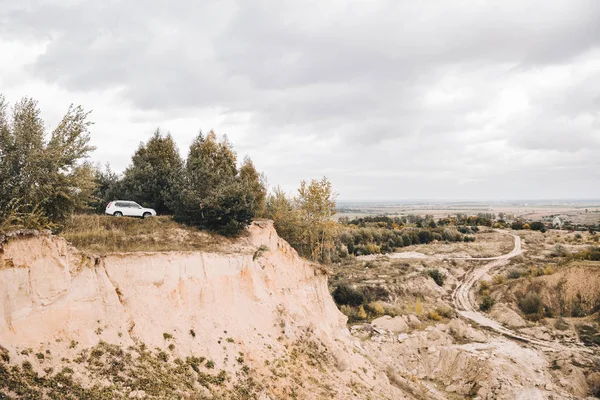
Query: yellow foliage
{"points": [[434, 316], [484, 285], [526, 226], [498, 279], [377, 308], [548, 270], [347, 310], [373, 248], [361, 314], [419, 307]]}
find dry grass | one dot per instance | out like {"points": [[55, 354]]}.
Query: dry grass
{"points": [[106, 234]]}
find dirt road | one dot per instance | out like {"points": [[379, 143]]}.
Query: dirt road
{"points": [[466, 307]]}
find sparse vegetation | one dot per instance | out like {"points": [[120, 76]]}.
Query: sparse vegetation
{"points": [[531, 303], [126, 371], [105, 234], [487, 302], [259, 252], [438, 276]]}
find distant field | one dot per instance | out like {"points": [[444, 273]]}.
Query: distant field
{"points": [[573, 211]]}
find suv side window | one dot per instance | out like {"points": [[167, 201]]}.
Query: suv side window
{"points": [[120, 204]]}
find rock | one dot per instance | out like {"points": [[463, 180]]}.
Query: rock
{"points": [[462, 331], [412, 320], [396, 324], [402, 337], [506, 316]]}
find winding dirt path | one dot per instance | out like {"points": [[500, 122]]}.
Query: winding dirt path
{"points": [[464, 302]]}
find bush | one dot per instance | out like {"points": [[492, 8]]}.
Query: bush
{"points": [[361, 313], [434, 316], [531, 304], [346, 295], [438, 276], [538, 226], [446, 312], [592, 253], [484, 285], [376, 309], [498, 280], [513, 274], [486, 303], [418, 307], [559, 251]]}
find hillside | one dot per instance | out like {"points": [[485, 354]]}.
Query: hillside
{"points": [[256, 321], [248, 319]]}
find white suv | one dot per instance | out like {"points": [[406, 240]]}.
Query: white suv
{"points": [[119, 208]]}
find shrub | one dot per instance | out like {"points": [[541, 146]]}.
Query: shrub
{"points": [[486, 303], [391, 311], [438, 276], [376, 309], [531, 304], [418, 307], [446, 312], [592, 253], [484, 285], [513, 274], [548, 270], [538, 226], [361, 314], [346, 295], [347, 311], [434, 316], [559, 251], [498, 279]]}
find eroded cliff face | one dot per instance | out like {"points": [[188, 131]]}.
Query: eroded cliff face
{"points": [[243, 310]]}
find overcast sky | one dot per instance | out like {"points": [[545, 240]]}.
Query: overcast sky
{"points": [[390, 99]]}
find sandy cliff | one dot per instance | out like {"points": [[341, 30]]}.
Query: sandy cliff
{"points": [[260, 302]]}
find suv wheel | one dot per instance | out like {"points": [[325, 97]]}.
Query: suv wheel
{"points": [[118, 214], [146, 215]]}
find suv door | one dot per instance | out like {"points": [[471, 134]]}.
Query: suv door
{"points": [[121, 207], [136, 209]]}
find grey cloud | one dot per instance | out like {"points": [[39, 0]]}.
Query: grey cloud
{"points": [[410, 88]]}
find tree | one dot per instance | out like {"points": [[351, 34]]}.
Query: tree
{"points": [[255, 184], [44, 173], [109, 187], [281, 209], [211, 193], [316, 206], [154, 168]]}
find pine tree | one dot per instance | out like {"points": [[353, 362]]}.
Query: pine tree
{"points": [[255, 184], [211, 193], [154, 169]]}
